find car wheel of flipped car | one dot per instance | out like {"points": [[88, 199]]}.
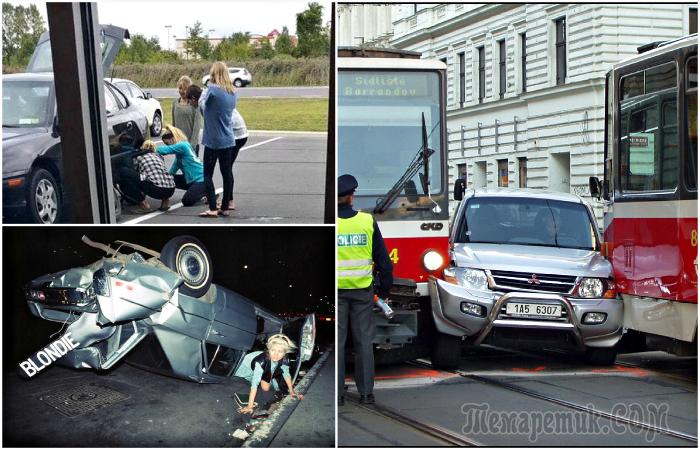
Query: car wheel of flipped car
{"points": [[156, 124], [44, 200], [188, 257], [237, 82], [446, 351], [601, 356]]}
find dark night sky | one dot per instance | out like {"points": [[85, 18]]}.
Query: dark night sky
{"points": [[289, 269]]}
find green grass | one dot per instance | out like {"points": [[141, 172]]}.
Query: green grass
{"points": [[285, 114]]}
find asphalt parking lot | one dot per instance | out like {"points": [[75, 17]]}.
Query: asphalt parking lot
{"points": [[279, 178]]}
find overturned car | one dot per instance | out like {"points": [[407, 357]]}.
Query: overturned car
{"points": [[159, 308]]}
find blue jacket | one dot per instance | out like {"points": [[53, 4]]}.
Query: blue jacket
{"points": [[218, 106], [185, 160]]}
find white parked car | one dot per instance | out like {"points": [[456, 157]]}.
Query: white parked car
{"points": [[239, 77], [144, 101]]}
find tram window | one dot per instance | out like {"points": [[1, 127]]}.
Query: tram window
{"points": [[632, 86], [691, 163], [660, 78], [649, 144]]}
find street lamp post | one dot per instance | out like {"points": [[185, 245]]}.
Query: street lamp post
{"points": [[167, 27]]}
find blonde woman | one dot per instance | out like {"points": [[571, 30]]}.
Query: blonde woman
{"points": [[186, 117], [268, 369], [186, 161], [218, 103]]}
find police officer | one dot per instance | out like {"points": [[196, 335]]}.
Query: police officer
{"points": [[359, 244]]}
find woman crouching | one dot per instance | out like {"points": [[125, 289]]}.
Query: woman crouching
{"points": [[268, 369]]}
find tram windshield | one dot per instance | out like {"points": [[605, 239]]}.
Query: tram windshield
{"points": [[380, 127]]}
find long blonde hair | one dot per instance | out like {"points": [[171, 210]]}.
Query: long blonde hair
{"points": [[219, 75], [177, 133]]}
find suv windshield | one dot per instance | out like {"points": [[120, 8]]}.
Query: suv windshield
{"points": [[380, 126], [527, 221], [25, 104]]}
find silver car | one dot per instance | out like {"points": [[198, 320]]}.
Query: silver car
{"points": [[161, 309], [526, 270]]}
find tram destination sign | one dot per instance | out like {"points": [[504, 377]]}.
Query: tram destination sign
{"points": [[385, 84]]}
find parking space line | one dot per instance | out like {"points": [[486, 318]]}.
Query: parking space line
{"points": [[246, 147]]}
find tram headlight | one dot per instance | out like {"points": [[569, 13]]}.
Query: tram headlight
{"points": [[591, 288], [432, 260], [466, 277]]}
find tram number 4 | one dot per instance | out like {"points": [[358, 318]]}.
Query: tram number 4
{"points": [[394, 255]]}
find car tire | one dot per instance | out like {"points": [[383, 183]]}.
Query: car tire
{"points": [[188, 257], [44, 197], [601, 356], [446, 352], [237, 82], [156, 124]]}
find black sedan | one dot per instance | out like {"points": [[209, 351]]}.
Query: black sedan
{"points": [[31, 146]]}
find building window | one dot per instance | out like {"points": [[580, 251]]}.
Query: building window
{"points": [[522, 172], [461, 79], [561, 49], [523, 66], [501, 68], [482, 73], [462, 172], [693, 20], [502, 173]]}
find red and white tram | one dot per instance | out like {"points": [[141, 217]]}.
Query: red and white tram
{"points": [[392, 137], [650, 192]]}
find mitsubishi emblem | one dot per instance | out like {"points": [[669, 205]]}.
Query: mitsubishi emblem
{"points": [[534, 279]]}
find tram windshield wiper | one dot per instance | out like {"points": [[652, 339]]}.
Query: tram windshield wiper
{"points": [[421, 159]]}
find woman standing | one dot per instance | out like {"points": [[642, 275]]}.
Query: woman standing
{"points": [[186, 117], [218, 103], [240, 133]]}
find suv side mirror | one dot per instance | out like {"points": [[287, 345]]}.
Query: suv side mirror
{"points": [[411, 191], [594, 185], [148, 95], [459, 188]]}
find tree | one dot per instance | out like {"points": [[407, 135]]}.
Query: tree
{"points": [[21, 29], [141, 50], [265, 51], [197, 44], [283, 44], [235, 47], [313, 36]]}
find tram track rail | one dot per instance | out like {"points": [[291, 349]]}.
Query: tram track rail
{"points": [[435, 431], [571, 405]]}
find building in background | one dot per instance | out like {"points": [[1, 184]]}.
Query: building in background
{"points": [[255, 41], [525, 82]]}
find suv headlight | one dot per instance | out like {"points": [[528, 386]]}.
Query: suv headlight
{"points": [[595, 288], [466, 277]]}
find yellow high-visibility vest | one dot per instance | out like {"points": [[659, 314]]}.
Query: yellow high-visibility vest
{"points": [[354, 244]]}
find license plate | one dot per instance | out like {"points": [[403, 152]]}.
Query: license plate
{"points": [[534, 310]]}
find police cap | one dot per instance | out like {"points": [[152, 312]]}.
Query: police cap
{"points": [[346, 185]]}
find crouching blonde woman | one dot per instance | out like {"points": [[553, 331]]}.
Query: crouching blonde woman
{"points": [[268, 369]]}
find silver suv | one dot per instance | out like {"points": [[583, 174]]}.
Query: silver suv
{"points": [[526, 270]]}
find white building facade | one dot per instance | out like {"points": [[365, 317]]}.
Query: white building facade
{"points": [[525, 82]]}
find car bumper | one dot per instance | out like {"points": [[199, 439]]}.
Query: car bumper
{"points": [[446, 301], [14, 199]]}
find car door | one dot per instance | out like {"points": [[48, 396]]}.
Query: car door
{"points": [[121, 117]]}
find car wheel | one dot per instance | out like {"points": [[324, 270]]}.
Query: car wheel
{"points": [[44, 200], [156, 124], [601, 356], [447, 350], [237, 82], [188, 257]]}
